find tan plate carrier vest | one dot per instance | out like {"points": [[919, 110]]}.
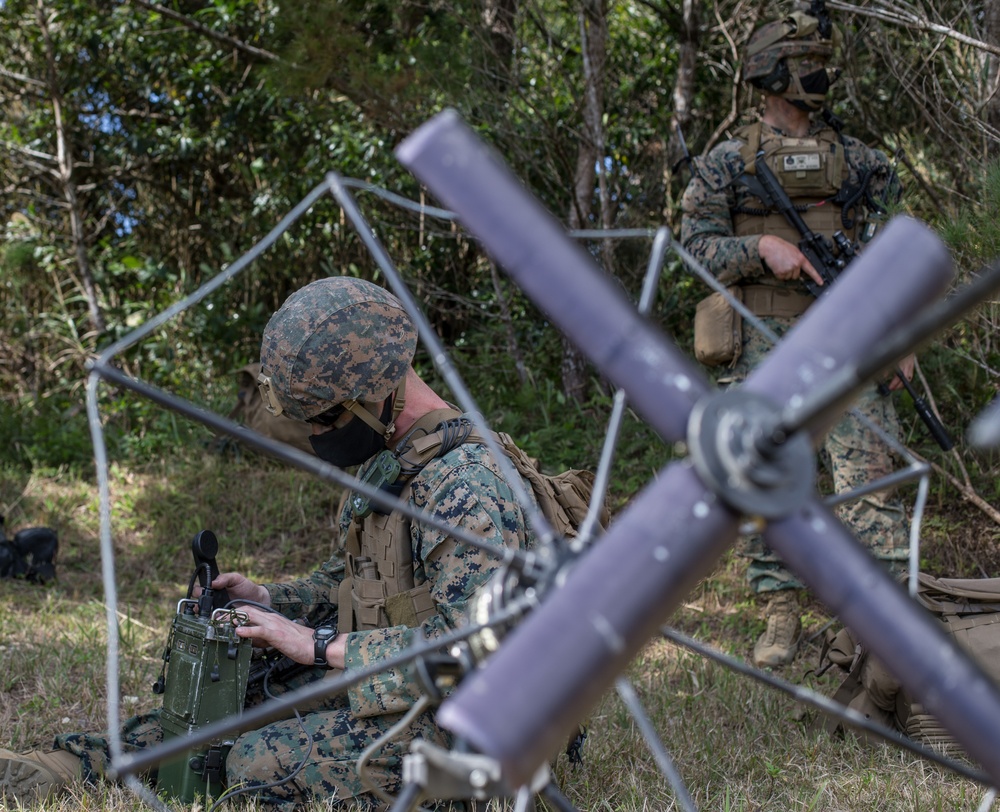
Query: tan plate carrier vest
{"points": [[811, 170]]}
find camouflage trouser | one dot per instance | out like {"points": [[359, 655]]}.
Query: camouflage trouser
{"points": [[856, 456], [328, 740]]}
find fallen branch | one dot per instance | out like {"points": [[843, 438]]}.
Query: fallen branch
{"points": [[968, 492]]}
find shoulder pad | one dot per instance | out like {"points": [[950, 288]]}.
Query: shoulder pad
{"points": [[860, 154], [722, 166]]}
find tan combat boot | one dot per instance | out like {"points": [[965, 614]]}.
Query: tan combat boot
{"points": [[779, 642], [33, 777]]}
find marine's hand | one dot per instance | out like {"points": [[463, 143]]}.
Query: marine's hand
{"points": [[906, 366], [785, 260], [241, 587], [271, 629], [292, 639]]}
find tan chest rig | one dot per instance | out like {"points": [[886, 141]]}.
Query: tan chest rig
{"points": [[812, 170], [379, 589]]}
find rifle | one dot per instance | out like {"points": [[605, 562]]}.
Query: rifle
{"points": [[819, 250], [686, 157]]}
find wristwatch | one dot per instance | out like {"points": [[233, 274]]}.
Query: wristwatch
{"points": [[322, 637]]}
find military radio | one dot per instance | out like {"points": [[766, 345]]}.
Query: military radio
{"points": [[204, 678]]}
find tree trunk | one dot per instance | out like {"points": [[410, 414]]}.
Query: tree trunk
{"points": [[590, 156], [64, 174], [499, 17], [508, 324], [676, 166], [991, 29]]}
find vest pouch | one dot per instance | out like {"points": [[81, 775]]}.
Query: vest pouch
{"points": [[979, 635], [808, 167], [367, 594], [410, 608], [368, 603], [718, 330], [823, 220], [345, 606]]}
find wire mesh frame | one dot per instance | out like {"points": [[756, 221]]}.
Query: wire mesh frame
{"points": [[101, 369]]}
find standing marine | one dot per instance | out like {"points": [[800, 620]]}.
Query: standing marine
{"points": [[837, 183]]}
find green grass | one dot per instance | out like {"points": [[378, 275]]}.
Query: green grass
{"points": [[739, 745], [743, 746]]}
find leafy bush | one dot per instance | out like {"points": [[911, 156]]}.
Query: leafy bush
{"points": [[964, 364]]}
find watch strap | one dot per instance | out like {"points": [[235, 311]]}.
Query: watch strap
{"points": [[322, 637]]}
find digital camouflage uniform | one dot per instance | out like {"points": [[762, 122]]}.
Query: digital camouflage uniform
{"points": [[464, 488], [855, 454]]}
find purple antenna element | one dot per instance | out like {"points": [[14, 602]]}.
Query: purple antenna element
{"points": [[984, 431], [570, 649], [551, 669], [590, 308]]}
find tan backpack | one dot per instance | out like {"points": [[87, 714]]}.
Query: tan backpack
{"points": [[968, 610], [251, 412]]}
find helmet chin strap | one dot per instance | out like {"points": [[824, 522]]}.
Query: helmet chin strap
{"points": [[821, 78], [398, 403], [796, 94]]}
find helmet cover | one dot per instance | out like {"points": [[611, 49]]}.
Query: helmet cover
{"points": [[796, 35], [334, 340]]}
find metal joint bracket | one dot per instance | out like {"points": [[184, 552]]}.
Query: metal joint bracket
{"points": [[730, 437], [448, 775]]}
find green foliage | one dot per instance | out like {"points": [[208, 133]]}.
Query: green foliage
{"points": [[972, 232], [18, 259], [46, 437], [964, 365], [190, 144]]}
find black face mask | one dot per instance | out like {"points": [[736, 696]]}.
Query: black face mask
{"points": [[816, 82], [352, 444]]}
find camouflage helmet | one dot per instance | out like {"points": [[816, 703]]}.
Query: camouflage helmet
{"points": [[796, 35], [335, 340]]}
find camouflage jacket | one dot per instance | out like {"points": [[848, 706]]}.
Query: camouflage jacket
{"points": [[713, 195], [464, 488]]}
